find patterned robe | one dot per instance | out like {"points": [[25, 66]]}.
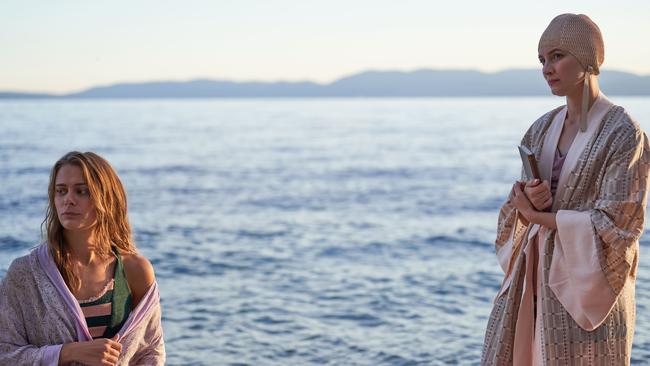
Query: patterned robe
{"points": [[588, 265]]}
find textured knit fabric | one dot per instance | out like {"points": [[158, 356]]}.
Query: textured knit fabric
{"points": [[581, 37], [578, 35], [586, 307], [34, 289], [106, 313]]}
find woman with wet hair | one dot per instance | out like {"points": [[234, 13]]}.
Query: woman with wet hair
{"points": [[568, 243], [85, 295]]}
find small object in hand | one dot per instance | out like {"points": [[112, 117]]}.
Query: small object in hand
{"points": [[529, 162]]}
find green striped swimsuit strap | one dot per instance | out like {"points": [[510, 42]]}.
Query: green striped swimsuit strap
{"points": [[121, 298]]}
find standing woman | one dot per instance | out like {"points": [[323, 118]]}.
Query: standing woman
{"points": [[85, 295], [569, 245]]}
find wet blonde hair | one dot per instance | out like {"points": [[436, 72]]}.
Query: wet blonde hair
{"points": [[109, 200]]}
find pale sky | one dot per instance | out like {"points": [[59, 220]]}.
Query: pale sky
{"points": [[64, 46]]}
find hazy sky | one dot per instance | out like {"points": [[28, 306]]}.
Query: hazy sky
{"points": [[63, 46]]}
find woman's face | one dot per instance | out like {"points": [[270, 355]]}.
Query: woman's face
{"points": [[74, 207], [562, 71]]}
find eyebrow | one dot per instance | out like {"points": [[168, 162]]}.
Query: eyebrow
{"points": [[551, 51], [76, 184]]}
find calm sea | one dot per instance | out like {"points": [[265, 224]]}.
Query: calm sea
{"points": [[301, 231]]}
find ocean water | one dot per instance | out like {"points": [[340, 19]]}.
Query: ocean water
{"points": [[301, 231]]}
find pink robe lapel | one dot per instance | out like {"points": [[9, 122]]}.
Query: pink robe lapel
{"points": [[575, 275], [595, 116], [550, 145]]}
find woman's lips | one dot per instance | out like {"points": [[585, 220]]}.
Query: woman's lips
{"points": [[553, 82], [70, 214]]}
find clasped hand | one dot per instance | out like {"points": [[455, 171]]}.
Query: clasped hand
{"points": [[531, 196], [101, 352]]}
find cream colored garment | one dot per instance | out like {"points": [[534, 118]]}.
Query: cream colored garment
{"points": [[579, 284], [581, 273]]}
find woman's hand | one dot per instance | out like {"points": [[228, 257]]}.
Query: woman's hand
{"points": [[520, 201], [527, 211], [100, 352], [539, 194]]}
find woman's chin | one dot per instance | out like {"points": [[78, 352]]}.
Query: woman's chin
{"points": [[71, 227], [75, 226]]}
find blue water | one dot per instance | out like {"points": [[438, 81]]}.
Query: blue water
{"points": [[300, 232]]}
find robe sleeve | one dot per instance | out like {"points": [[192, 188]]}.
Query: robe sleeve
{"points": [[510, 227], [597, 249], [14, 345], [152, 352], [510, 232]]}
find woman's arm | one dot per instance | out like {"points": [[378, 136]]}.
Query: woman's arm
{"points": [[15, 348], [142, 282], [139, 275], [526, 209]]}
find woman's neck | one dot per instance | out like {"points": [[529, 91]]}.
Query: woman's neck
{"points": [[82, 246], [574, 101]]}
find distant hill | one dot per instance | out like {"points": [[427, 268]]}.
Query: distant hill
{"points": [[419, 83], [15, 95], [202, 89]]}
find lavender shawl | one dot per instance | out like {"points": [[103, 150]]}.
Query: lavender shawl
{"points": [[38, 314]]}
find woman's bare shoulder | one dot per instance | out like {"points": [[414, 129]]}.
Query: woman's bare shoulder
{"points": [[139, 273]]}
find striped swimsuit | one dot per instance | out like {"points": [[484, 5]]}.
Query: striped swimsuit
{"points": [[106, 313]]}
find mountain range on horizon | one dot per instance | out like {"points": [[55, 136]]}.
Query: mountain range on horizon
{"points": [[418, 83]]}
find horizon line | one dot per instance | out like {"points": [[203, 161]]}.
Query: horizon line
{"points": [[272, 81]]}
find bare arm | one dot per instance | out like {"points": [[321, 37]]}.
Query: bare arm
{"points": [[542, 218], [139, 275]]}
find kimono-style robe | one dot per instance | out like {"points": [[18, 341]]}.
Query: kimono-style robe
{"points": [[38, 314], [587, 267]]}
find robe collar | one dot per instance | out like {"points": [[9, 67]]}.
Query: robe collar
{"points": [[595, 118]]}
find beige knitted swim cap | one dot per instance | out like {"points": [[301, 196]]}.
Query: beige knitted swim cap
{"points": [[578, 35], [581, 37]]}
